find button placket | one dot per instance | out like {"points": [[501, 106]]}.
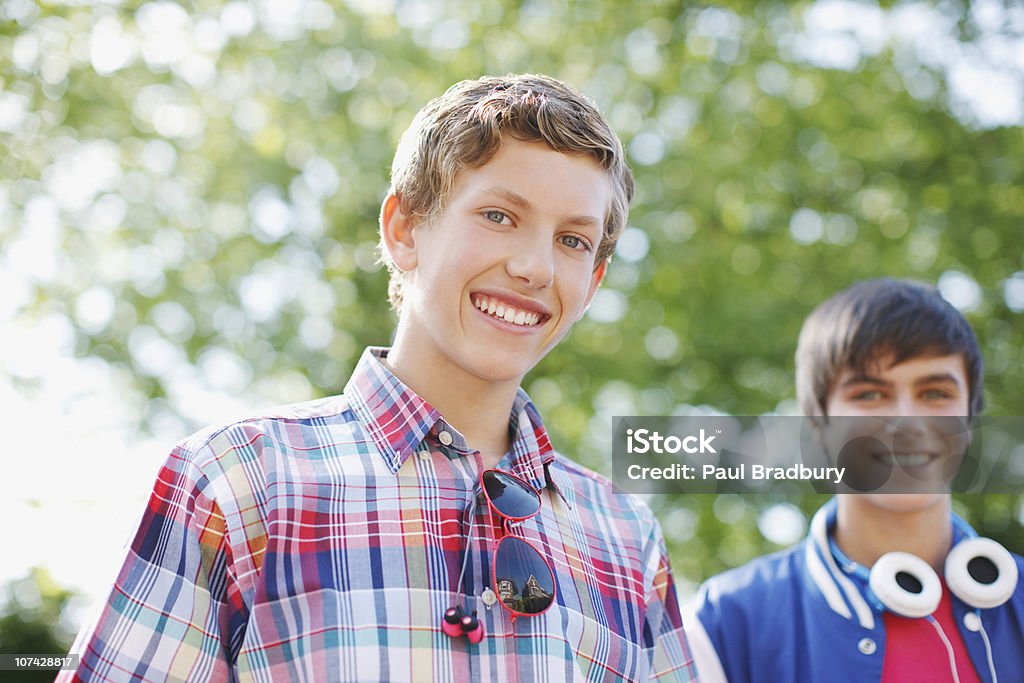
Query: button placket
{"points": [[972, 622], [423, 451]]}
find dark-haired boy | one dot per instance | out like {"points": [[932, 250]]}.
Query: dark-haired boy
{"points": [[883, 588], [347, 539]]}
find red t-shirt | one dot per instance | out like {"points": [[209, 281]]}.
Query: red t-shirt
{"points": [[915, 653]]}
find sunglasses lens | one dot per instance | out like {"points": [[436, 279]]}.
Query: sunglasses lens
{"points": [[510, 496], [523, 580]]}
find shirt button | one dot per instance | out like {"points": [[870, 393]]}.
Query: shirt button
{"points": [[445, 438], [488, 597], [867, 646], [972, 622], [425, 454]]}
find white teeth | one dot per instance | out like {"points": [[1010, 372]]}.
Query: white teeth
{"points": [[911, 459], [507, 313], [908, 459]]}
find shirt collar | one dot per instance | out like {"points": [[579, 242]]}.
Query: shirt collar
{"points": [[531, 452], [398, 419], [395, 416]]}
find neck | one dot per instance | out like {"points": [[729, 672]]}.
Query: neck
{"points": [[477, 407], [866, 530]]}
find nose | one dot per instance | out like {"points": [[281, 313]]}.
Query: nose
{"points": [[910, 416], [533, 263], [906, 406]]}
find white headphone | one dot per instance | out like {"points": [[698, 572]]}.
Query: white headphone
{"points": [[979, 571]]}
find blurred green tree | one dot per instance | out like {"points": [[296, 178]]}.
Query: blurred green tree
{"points": [[31, 622], [190, 192]]}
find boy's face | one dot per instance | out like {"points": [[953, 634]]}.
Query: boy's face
{"points": [[497, 279], [911, 429]]}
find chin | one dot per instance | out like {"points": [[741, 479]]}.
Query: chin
{"points": [[903, 502], [499, 368], [494, 376]]}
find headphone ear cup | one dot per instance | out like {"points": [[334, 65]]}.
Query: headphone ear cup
{"points": [[981, 572], [451, 624], [473, 629], [905, 585]]}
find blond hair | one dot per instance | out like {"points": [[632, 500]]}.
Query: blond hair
{"points": [[463, 128]]}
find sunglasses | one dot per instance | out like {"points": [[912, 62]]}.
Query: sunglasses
{"points": [[522, 577]]}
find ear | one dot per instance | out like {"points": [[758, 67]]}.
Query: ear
{"points": [[396, 229], [595, 282]]}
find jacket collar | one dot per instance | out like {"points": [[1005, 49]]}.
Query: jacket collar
{"points": [[844, 595]]}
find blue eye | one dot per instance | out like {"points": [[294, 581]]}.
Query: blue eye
{"points": [[495, 216], [576, 242], [937, 394]]}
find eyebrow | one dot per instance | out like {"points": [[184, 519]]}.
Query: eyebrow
{"points": [[522, 203], [937, 378]]}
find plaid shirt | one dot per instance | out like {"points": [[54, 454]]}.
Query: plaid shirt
{"points": [[324, 543]]}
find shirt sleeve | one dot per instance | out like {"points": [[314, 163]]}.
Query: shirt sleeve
{"points": [[174, 605], [668, 650]]}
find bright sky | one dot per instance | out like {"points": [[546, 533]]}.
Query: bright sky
{"points": [[76, 475]]}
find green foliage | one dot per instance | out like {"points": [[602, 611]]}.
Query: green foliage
{"points": [[30, 622], [234, 162]]}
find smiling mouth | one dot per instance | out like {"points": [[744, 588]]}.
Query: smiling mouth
{"points": [[508, 313], [904, 460]]}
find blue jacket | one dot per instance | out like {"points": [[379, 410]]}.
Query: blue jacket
{"points": [[796, 616]]}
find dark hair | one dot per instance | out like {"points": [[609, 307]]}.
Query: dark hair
{"points": [[897, 319]]}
